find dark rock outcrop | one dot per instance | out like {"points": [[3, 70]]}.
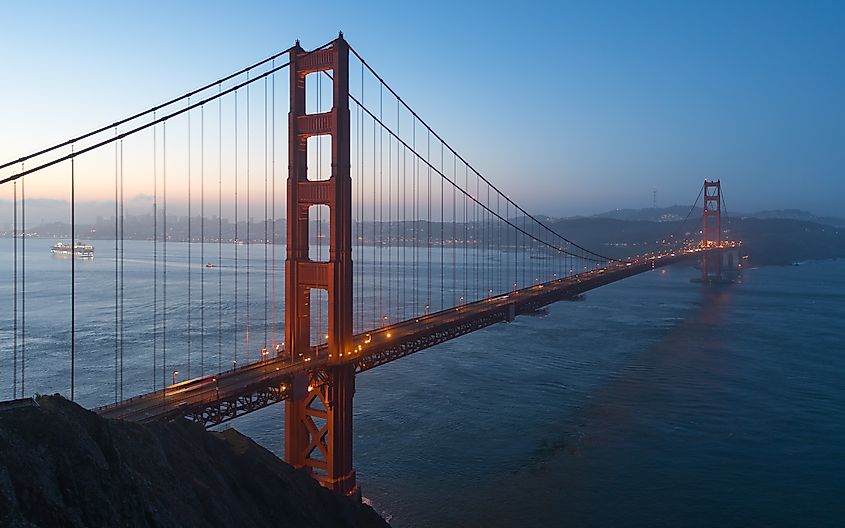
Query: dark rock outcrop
{"points": [[61, 465]]}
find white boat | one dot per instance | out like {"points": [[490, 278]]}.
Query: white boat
{"points": [[78, 250]]}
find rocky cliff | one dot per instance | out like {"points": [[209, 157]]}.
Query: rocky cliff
{"points": [[61, 465]]}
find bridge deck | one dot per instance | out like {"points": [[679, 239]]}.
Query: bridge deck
{"points": [[215, 399]]}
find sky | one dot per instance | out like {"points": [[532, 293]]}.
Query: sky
{"points": [[570, 108]]}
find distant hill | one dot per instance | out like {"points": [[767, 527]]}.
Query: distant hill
{"points": [[797, 214], [769, 237], [679, 212], [651, 214], [776, 241]]}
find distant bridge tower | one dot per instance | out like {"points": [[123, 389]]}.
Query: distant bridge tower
{"points": [[318, 414], [711, 232]]}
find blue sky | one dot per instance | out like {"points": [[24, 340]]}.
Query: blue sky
{"points": [[570, 108]]}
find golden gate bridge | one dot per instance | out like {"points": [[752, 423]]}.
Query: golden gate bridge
{"points": [[440, 250]]}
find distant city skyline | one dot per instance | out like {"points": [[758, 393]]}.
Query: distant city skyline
{"points": [[569, 109]]}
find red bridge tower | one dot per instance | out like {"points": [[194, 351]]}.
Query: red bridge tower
{"points": [[711, 232], [318, 413]]}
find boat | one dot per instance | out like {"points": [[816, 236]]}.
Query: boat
{"points": [[77, 250]]}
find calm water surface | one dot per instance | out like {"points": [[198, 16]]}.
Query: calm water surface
{"points": [[655, 402]]}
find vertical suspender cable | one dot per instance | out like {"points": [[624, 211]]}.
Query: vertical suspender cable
{"points": [[190, 245], [376, 244], [356, 228], [428, 218], [442, 238], [356, 183], [155, 256], [23, 288], [454, 227], [122, 250], [416, 215], [389, 218], [15, 295], [515, 253], [488, 231], [376, 296], [248, 240], [400, 217], [219, 232], [265, 215], [116, 273], [164, 256], [521, 264], [273, 231], [202, 240], [380, 207], [498, 243], [361, 230], [466, 234], [401, 188], [235, 240], [478, 238], [72, 278]]}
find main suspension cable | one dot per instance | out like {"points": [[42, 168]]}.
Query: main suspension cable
{"points": [[155, 121], [436, 135], [149, 111], [486, 208]]}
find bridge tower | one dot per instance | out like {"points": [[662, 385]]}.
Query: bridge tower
{"points": [[711, 232], [318, 413]]}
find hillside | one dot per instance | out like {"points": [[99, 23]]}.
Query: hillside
{"points": [[770, 241], [61, 465]]}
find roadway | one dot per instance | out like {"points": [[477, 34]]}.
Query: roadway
{"points": [[215, 399]]}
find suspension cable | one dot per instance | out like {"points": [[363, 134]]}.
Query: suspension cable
{"points": [[151, 110], [420, 157], [155, 121], [689, 214], [430, 132], [519, 208]]}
